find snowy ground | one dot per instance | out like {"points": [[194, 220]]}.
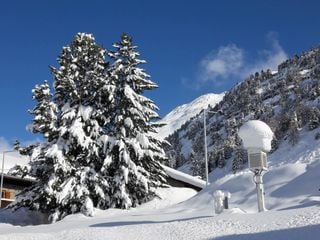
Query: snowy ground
{"points": [[292, 197], [192, 219]]}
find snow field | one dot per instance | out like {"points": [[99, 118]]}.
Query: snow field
{"points": [[292, 199], [192, 219]]}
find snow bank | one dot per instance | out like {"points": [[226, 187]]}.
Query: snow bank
{"points": [[290, 182], [168, 197], [193, 219]]}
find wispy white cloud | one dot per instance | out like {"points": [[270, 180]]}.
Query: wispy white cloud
{"points": [[222, 64], [6, 145], [229, 63]]}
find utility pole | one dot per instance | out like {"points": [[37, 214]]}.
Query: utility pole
{"points": [[205, 146], [205, 143]]}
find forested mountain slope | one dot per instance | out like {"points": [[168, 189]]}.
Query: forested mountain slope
{"points": [[287, 100]]}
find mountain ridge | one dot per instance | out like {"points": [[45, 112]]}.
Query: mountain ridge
{"points": [[288, 100], [181, 114]]}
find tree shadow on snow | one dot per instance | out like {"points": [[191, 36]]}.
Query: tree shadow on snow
{"points": [[127, 223], [306, 233], [22, 217]]}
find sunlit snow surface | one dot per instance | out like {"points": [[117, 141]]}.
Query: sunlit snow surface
{"points": [[292, 197], [181, 114], [256, 134]]}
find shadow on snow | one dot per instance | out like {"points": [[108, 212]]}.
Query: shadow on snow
{"points": [[306, 233], [127, 223]]}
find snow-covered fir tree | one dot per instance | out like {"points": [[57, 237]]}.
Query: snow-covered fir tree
{"points": [[44, 112], [240, 157], [197, 158], [67, 165], [45, 116], [135, 152], [314, 118], [197, 167], [293, 132], [221, 159]]}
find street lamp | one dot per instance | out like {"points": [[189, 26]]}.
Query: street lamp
{"points": [[205, 143], [257, 137], [2, 173]]}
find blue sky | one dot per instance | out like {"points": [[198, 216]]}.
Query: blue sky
{"points": [[192, 47]]}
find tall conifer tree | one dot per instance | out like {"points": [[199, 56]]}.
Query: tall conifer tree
{"points": [[67, 165], [100, 148], [135, 152], [44, 112]]}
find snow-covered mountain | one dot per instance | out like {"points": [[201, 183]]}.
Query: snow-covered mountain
{"points": [[181, 114], [288, 100]]}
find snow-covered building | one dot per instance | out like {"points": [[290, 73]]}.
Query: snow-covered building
{"points": [[12, 185], [180, 179]]}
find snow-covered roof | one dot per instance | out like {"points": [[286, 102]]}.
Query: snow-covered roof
{"points": [[12, 177], [256, 134], [183, 177]]}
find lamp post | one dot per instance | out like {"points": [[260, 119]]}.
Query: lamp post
{"points": [[205, 143], [257, 137], [2, 173]]}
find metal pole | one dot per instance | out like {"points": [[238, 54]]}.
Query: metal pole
{"points": [[1, 184], [260, 191], [205, 146]]}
